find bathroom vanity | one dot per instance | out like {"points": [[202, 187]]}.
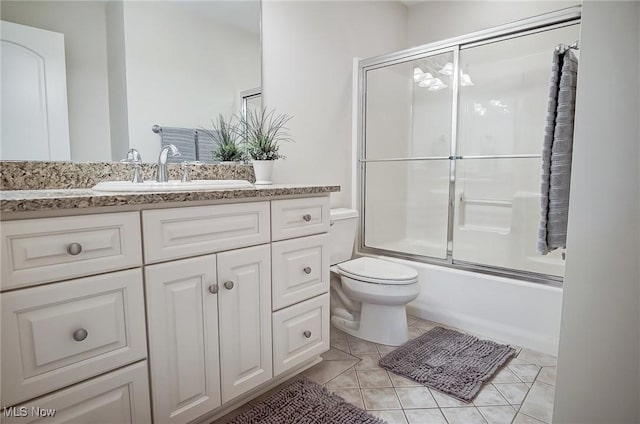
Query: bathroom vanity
{"points": [[195, 301]]}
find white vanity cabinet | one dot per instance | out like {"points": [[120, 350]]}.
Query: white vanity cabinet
{"points": [[209, 330], [234, 294]]}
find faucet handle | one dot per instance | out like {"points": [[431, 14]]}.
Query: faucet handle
{"points": [[133, 157], [185, 169]]}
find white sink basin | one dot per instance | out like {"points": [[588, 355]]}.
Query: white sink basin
{"points": [[171, 185]]}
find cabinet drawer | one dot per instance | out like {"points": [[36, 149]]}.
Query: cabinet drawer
{"points": [[300, 269], [59, 334], [120, 396], [50, 249], [299, 217], [183, 232], [300, 332]]}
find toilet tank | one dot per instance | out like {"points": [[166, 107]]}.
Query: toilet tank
{"points": [[342, 234]]}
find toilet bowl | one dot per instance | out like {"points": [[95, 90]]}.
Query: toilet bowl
{"points": [[368, 295]]}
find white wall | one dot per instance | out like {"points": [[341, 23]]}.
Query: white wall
{"points": [[598, 366], [182, 68], [83, 25], [308, 48]]}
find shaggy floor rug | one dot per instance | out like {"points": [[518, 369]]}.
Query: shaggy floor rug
{"points": [[454, 363], [304, 402]]}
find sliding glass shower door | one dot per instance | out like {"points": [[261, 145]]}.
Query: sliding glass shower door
{"points": [[450, 157], [408, 132]]}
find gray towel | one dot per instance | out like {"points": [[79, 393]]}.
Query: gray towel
{"points": [[556, 153], [205, 145], [183, 138]]}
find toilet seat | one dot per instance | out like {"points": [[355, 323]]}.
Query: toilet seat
{"points": [[378, 271]]}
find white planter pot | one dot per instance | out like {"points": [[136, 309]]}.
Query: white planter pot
{"points": [[263, 170]]}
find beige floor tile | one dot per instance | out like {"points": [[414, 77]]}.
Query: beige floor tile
{"points": [[340, 344], [526, 373], [353, 396], [538, 358], [328, 370], [539, 402], [463, 416], [424, 324], [446, 401], [384, 349], [374, 378], [368, 361], [505, 375], [524, 419], [518, 361], [411, 319], [380, 399], [547, 375], [415, 397], [335, 334], [357, 346], [497, 414], [489, 396], [414, 332], [425, 416], [334, 354], [400, 381], [514, 393], [391, 417], [346, 380]]}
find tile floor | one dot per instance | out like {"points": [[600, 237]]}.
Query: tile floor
{"points": [[520, 393]]}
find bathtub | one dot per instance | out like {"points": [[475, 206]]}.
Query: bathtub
{"points": [[504, 309]]}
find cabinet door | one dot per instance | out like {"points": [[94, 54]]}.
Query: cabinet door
{"points": [[244, 276], [182, 309]]}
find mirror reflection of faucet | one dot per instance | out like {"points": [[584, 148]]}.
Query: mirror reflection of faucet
{"points": [[161, 174], [133, 157]]}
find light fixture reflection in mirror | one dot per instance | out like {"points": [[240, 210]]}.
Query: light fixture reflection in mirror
{"points": [[133, 64]]}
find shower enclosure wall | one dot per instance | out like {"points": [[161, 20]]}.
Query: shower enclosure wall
{"points": [[450, 141]]}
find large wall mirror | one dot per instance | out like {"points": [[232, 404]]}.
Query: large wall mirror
{"points": [[125, 67]]}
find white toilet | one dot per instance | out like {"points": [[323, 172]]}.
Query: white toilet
{"points": [[368, 295]]}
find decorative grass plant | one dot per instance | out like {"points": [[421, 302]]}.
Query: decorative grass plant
{"points": [[263, 132], [225, 135]]}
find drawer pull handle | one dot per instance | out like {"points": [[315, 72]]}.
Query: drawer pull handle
{"points": [[307, 270], [213, 289], [228, 285], [80, 334], [307, 334], [307, 217], [74, 249]]}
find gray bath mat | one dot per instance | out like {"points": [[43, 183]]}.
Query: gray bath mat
{"points": [[454, 363], [304, 401]]}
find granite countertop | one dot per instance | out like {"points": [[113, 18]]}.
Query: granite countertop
{"points": [[78, 198]]}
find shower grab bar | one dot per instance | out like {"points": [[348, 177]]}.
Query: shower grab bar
{"points": [[486, 201], [421, 158]]}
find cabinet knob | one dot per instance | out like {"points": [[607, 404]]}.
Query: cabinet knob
{"points": [[228, 285], [74, 249], [80, 334], [213, 289], [307, 270], [307, 217], [307, 334]]}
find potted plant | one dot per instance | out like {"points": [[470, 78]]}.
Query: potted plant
{"points": [[263, 131], [225, 136]]}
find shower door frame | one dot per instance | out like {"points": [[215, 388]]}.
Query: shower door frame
{"points": [[536, 24]]}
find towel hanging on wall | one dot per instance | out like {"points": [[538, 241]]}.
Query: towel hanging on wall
{"points": [[183, 138], [557, 152]]}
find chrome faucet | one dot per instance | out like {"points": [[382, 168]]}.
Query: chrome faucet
{"points": [[161, 175]]}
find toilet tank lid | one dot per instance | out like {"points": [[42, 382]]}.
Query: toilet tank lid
{"points": [[343, 213]]}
